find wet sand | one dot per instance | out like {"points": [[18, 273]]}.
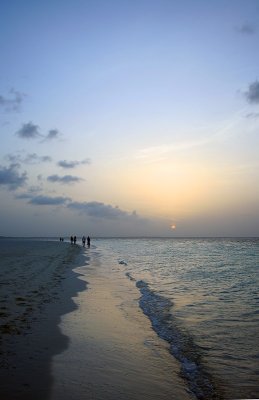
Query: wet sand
{"points": [[113, 352]]}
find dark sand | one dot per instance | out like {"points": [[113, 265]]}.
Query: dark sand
{"points": [[34, 295]]}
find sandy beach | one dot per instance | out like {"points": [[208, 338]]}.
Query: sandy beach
{"points": [[75, 330], [37, 286]]}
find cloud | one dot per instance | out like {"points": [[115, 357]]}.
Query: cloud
{"points": [[10, 177], [31, 192], [32, 158], [48, 201], [72, 164], [28, 131], [31, 131], [101, 210], [157, 153], [13, 103], [66, 179], [53, 134], [22, 196], [253, 115], [246, 29], [252, 95], [35, 159]]}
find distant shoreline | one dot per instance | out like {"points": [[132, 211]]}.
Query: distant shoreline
{"points": [[131, 237]]}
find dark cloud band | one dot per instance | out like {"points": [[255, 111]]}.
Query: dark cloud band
{"points": [[48, 200], [72, 164], [100, 210], [65, 180]]}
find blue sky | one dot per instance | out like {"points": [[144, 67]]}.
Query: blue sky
{"points": [[129, 118]]}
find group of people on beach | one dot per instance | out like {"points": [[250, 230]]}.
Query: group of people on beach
{"points": [[73, 240], [84, 240]]}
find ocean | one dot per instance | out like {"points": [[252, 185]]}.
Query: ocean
{"points": [[201, 296]]}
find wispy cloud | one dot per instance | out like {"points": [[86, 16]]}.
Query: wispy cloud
{"points": [[252, 94], [253, 115], [32, 158], [224, 131], [48, 200], [11, 178], [35, 159], [246, 29], [31, 192], [100, 210], [29, 131], [52, 134], [65, 180], [22, 196], [162, 150], [13, 102], [72, 164]]}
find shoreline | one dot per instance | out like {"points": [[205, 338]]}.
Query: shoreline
{"points": [[90, 337], [32, 336], [113, 351], [87, 335]]}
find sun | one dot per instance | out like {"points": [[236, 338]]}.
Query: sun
{"points": [[173, 226]]}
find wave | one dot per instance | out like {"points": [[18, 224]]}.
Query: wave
{"points": [[182, 345]]}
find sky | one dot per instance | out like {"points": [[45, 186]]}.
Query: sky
{"points": [[129, 118]]}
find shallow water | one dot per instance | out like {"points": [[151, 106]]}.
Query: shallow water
{"points": [[201, 296], [113, 353]]}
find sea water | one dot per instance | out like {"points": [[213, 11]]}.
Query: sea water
{"points": [[201, 296]]}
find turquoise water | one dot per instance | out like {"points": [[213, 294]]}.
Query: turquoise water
{"points": [[201, 296]]}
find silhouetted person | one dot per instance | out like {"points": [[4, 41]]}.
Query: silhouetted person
{"points": [[74, 239], [71, 239], [83, 240], [88, 241]]}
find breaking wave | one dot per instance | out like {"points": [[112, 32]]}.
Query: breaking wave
{"points": [[182, 345]]}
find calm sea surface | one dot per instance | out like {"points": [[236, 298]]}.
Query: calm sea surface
{"points": [[201, 296]]}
